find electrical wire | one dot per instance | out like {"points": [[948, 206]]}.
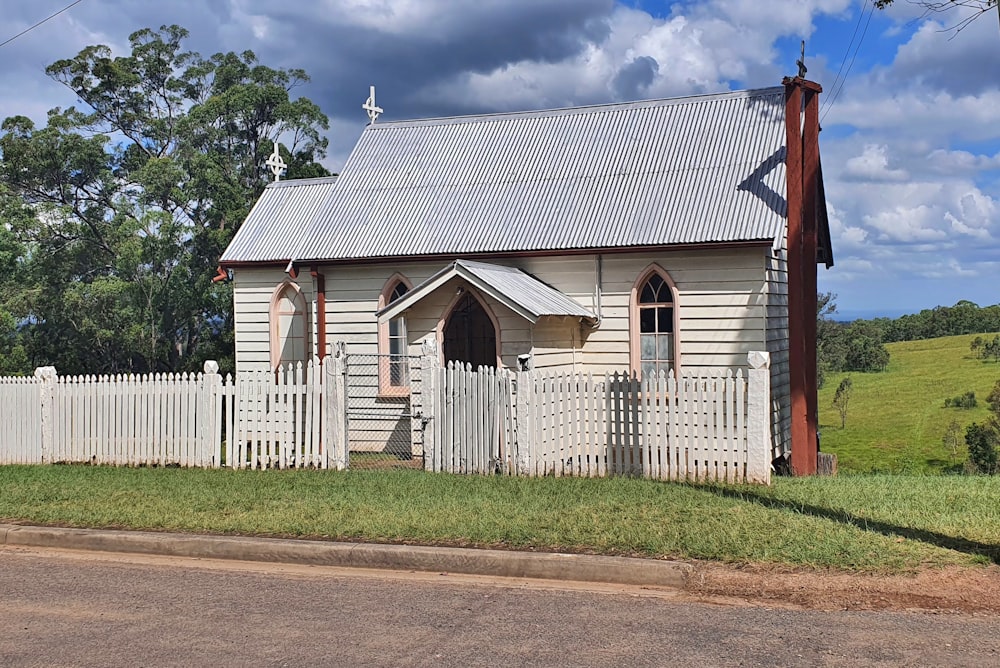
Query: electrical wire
{"points": [[29, 29], [847, 52], [836, 93]]}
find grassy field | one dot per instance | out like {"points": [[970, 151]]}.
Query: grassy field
{"points": [[896, 419], [876, 523]]}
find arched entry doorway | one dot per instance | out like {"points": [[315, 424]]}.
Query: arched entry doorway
{"points": [[469, 334]]}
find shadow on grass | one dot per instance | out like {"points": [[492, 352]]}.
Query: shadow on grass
{"points": [[990, 551]]}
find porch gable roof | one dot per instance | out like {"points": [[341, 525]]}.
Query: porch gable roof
{"points": [[522, 293]]}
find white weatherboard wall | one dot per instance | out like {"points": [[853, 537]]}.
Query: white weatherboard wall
{"points": [[777, 346], [722, 301], [252, 294]]}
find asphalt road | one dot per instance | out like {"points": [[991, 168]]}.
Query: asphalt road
{"points": [[60, 608]]}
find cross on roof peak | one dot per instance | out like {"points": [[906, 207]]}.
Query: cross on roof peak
{"points": [[276, 164], [369, 106]]}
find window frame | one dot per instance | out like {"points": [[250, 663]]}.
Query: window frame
{"points": [[276, 345], [635, 333], [385, 386]]}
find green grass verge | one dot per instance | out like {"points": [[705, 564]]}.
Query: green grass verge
{"points": [[896, 419], [862, 523]]}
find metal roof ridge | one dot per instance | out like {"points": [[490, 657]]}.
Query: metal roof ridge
{"points": [[313, 180], [566, 111], [490, 265]]}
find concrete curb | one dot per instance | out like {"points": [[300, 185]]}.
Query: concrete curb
{"points": [[500, 563]]}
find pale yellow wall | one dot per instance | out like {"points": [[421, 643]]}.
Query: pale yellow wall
{"points": [[777, 345], [730, 302], [723, 299], [721, 302], [252, 292]]}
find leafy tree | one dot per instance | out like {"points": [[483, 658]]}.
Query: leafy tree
{"points": [[829, 348], [842, 398], [865, 353], [976, 346], [951, 439], [983, 442], [132, 199], [13, 356], [992, 349], [993, 399], [966, 401]]}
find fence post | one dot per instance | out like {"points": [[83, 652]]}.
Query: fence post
{"points": [[430, 411], [335, 405], [210, 451], [525, 429], [47, 376], [758, 417]]}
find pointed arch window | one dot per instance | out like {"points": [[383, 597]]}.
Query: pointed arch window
{"points": [[653, 323], [289, 326], [394, 364]]}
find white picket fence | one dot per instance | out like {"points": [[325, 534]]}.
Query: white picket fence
{"points": [[256, 420], [707, 425], [20, 436], [471, 417], [276, 420], [712, 425]]}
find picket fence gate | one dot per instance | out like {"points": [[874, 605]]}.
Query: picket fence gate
{"points": [[255, 420], [707, 425]]}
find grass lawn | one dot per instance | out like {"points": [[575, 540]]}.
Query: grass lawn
{"points": [[877, 523], [896, 419]]}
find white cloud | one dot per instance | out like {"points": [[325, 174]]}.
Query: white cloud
{"points": [[873, 165], [910, 164], [905, 224]]}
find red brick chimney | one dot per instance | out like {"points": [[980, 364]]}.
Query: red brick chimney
{"points": [[802, 175]]}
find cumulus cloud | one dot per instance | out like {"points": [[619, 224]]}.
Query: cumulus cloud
{"points": [[634, 77], [939, 59], [873, 165], [912, 189]]}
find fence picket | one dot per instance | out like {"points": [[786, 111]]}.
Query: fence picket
{"points": [[664, 426]]}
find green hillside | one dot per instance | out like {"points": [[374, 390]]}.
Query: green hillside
{"points": [[896, 419]]}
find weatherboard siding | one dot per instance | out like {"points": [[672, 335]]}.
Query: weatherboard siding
{"points": [[722, 300], [777, 346], [253, 290]]}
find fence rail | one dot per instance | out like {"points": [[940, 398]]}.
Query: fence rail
{"points": [[709, 426], [256, 420]]}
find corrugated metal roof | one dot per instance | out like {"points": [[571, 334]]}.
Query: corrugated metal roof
{"points": [[686, 170], [520, 292], [276, 222]]}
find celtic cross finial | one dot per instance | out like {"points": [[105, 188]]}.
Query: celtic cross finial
{"points": [[276, 164], [370, 107]]}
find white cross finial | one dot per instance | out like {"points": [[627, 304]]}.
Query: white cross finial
{"points": [[277, 165], [369, 106]]}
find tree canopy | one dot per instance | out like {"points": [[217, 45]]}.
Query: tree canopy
{"points": [[117, 212]]}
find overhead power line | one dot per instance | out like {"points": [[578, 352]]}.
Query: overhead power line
{"points": [[836, 93], [29, 29], [847, 52]]}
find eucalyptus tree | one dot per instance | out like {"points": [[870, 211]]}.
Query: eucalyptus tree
{"points": [[134, 195]]}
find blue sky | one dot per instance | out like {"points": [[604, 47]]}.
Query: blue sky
{"points": [[910, 144]]}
